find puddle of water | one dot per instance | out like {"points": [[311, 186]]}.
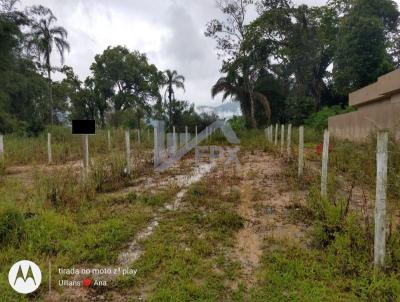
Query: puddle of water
{"points": [[134, 251]]}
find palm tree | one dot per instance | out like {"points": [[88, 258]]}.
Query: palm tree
{"points": [[43, 37], [172, 79], [234, 88]]}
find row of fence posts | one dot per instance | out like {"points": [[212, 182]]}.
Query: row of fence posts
{"points": [[172, 141], [269, 133], [381, 179], [85, 147], [85, 144]]}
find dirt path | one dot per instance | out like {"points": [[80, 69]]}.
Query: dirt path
{"points": [[134, 249], [265, 199]]}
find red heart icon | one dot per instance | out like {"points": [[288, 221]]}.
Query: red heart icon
{"points": [[87, 282]]}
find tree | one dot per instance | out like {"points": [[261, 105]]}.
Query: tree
{"points": [[172, 79], [22, 87], [229, 35], [126, 80], [43, 37], [296, 44], [232, 86], [363, 45]]}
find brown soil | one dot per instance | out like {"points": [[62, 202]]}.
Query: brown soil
{"points": [[265, 199]]}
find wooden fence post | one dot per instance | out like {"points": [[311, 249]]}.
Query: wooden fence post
{"points": [[138, 136], [50, 156], [289, 141], [276, 134], [282, 137], [128, 152], [380, 202], [301, 151], [325, 162]]}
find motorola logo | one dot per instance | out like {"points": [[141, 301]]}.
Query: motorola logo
{"points": [[25, 277]]}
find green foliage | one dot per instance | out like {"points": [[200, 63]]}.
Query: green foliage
{"points": [[298, 108], [11, 225], [238, 124], [63, 189], [319, 120], [126, 79], [362, 54]]}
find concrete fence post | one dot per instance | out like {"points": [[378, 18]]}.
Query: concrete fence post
{"points": [[186, 135], [128, 152], [325, 162], [282, 137], [156, 149], [380, 202], [174, 141], [85, 153], [2, 146], [109, 140], [301, 151], [196, 134], [289, 141], [276, 134], [148, 134], [138, 137], [271, 135], [50, 156]]}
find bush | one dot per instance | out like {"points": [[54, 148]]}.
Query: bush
{"points": [[11, 226], [319, 120], [237, 123]]}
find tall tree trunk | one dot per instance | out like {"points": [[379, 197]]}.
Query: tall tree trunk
{"points": [[249, 89], [170, 108], [102, 120], [50, 88]]}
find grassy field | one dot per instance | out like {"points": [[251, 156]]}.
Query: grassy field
{"points": [[194, 253]]}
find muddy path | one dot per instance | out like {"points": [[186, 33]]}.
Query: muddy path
{"points": [[265, 200], [190, 173]]}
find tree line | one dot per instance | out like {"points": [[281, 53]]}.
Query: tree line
{"points": [[124, 88], [291, 61]]}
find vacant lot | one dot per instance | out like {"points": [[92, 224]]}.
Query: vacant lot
{"points": [[200, 231]]}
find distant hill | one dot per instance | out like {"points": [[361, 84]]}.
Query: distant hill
{"points": [[224, 111]]}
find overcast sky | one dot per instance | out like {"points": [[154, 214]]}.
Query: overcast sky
{"points": [[170, 32]]}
